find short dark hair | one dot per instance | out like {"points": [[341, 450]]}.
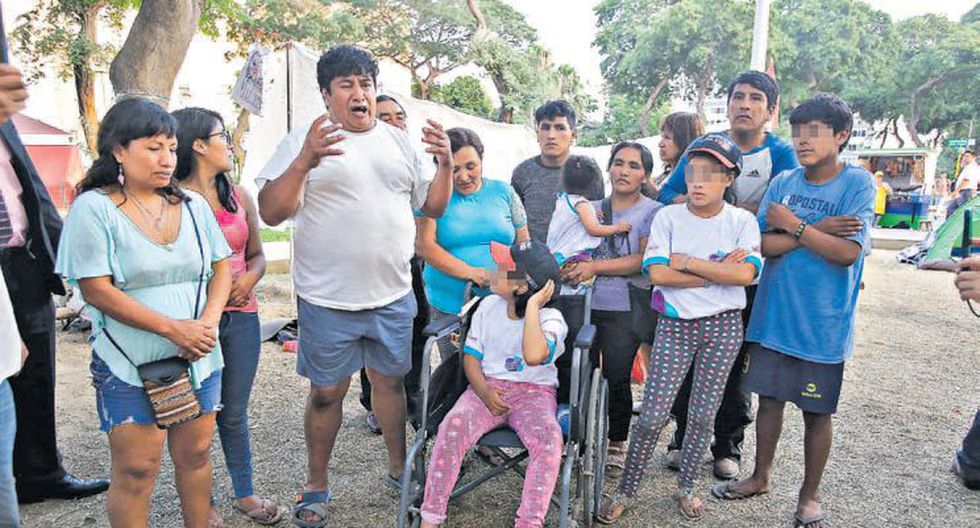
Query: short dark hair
{"points": [[760, 81], [460, 137], [646, 157], [825, 108], [344, 60], [553, 109], [579, 174], [382, 98], [970, 152]]}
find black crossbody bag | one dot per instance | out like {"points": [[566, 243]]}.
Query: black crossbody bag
{"points": [[166, 382], [643, 316]]}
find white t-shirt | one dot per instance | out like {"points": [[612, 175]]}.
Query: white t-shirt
{"points": [[355, 231], [971, 175], [567, 236], [675, 229], [497, 341], [9, 335]]}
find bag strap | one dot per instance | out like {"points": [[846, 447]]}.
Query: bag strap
{"points": [[200, 249], [200, 284], [607, 219]]}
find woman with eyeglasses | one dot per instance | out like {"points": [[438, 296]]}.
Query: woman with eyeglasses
{"points": [[204, 158]]}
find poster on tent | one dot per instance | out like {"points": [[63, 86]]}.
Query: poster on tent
{"points": [[248, 89]]}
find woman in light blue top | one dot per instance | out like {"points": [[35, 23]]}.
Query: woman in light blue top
{"points": [[456, 247], [142, 251]]}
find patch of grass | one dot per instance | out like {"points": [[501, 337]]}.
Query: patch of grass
{"points": [[275, 235]]}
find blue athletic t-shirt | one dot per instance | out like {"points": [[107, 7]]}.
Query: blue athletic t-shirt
{"points": [[465, 230], [805, 304], [759, 166]]}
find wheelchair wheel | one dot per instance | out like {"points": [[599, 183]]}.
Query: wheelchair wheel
{"points": [[591, 474], [602, 444]]}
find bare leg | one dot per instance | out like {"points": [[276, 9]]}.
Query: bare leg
{"points": [[388, 401], [135, 453], [324, 414], [768, 427], [190, 449], [817, 439]]}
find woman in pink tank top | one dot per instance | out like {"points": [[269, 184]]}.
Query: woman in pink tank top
{"points": [[204, 158]]}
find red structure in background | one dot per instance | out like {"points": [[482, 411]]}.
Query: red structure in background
{"points": [[57, 159]]}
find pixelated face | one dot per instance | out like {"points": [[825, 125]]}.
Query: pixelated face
{"points": [[391, 113], [467, 171], [815, 141], [626, 172], [506, 281], [748, 109], [706, 181], [669, 152], [351, 101], [555, 136]]}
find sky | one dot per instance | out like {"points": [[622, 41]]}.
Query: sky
{"points": [[567, 27]]}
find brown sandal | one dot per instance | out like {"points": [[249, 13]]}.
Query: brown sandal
{"points": [[612, 508], [266, 514], [615, 461]]}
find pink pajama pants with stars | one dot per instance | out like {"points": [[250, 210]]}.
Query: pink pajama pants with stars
{"points": [[711, 344], [532, 416]]}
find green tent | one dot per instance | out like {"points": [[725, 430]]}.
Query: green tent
{"points": [[949, 236]]}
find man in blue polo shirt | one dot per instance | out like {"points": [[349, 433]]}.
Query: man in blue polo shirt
{"points": [[752, 99]]}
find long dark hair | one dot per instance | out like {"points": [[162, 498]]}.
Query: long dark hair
{"points": [[685, 126], [193, 124], [128, 120]]}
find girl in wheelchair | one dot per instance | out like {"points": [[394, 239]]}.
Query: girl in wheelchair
{"points": [[509, 361]]}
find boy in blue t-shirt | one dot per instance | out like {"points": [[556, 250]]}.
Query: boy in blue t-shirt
{"points": [[816, 224]]}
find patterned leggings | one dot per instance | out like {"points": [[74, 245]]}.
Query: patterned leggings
{"points": [[532, 415], [712, 344]]}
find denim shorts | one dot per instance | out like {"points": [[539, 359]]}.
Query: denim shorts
{"points": [[334, 344], [119, 403]]}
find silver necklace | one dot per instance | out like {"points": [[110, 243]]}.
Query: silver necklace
{"points": [[157, 220]]}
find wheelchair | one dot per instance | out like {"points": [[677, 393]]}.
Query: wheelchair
{"points": [[578, 491]]}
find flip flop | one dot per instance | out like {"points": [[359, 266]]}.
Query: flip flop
{"points": [[684, 513], [727, 491], [611, 506], [266, 514], [394, 484], [805, 522], [314, 502]]}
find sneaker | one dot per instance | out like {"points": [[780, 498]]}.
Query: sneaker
{"points": [[673, 459], [726, 468], [371, 422]]}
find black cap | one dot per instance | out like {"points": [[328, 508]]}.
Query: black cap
{"points": [[720, 147], [532, 258]]}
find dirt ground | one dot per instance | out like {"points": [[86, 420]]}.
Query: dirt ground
{"points": [[909, 396]]}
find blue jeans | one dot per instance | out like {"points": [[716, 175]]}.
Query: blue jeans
{"points": [[969, 455], [9, 516], [240, 344]]}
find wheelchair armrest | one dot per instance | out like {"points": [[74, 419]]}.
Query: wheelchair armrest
{"points": [[442, 326], [585, 337]]}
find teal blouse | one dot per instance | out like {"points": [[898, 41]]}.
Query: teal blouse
{"points": [[100, 240]]}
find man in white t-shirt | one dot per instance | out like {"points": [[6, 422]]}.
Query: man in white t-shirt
{"points": [[352, 183], [966, 183]]}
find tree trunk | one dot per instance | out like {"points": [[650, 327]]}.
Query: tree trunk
{"points": [[481, 22], [704, 84], [236, 139], [149, 60], [644, 121], [85, 80], [901, 142]]}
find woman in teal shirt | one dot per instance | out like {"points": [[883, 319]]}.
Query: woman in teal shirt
{"points": [[140, 249], [456, 247]]}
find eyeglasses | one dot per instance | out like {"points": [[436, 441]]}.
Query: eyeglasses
{"points": [[224, 134]]}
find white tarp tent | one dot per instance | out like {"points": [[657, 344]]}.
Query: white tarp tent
{"points": [[506, 145]]}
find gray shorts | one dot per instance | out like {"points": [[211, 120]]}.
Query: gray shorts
{"points": [[334, 344], [813, 387]]}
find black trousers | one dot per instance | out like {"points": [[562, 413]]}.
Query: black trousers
{"points": [[36, 457], [617, 343], [418, 345], [735, 413]]}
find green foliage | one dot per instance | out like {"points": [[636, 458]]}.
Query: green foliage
{"points": [[620, 122], [466, 94]]}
